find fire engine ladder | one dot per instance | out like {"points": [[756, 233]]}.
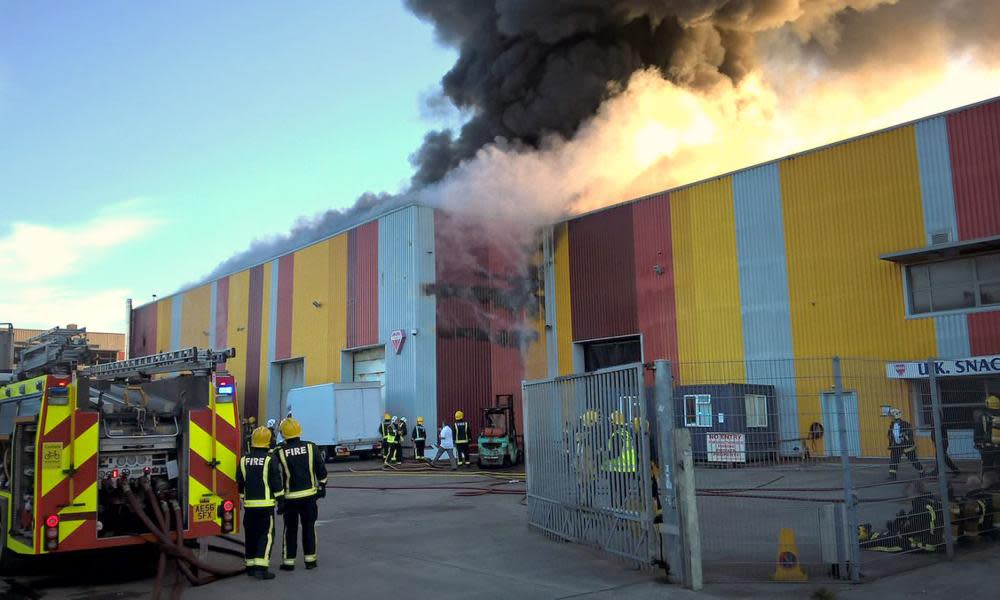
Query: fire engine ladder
{"points": [[188, 359]]}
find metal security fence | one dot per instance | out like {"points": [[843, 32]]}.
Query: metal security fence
{"points": [[588, 461]]}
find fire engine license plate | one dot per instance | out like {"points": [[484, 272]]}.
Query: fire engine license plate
{"points": [[205, 511]]}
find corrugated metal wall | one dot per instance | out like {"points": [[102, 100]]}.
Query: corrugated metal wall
{"points": [[974, 138], [406, 265], [602, 274], [763, 281], [319, 321], [164, 328], [362, 286], [221, 313], [709, 321], [656, 307], [284, 311], [196, 311], [563, 298], [844, 207], [251, 385], [237, 318], [143, 333], [938, 197]]}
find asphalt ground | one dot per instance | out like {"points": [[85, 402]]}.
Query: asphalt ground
{"points": [[428, 542]]}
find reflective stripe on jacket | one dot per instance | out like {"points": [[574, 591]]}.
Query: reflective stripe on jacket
{"points": [[419, 433], [303, 467], [622, 449], [259, 479]]}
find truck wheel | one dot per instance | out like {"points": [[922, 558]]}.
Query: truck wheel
{"points": [[506, 460]]}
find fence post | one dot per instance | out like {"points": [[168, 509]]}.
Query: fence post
{"points": [[850, 499], [687, 504], [671, 535], [949, 542]]}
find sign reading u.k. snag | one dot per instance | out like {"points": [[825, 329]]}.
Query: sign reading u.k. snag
{"points": [[961, 367]]}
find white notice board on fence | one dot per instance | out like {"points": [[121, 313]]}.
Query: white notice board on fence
{"points": [[727, 447]]}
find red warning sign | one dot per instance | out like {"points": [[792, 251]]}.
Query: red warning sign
{"points": [[397, 337]]}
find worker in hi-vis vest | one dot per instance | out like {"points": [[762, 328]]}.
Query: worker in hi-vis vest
{"points": [[462, 438], [259, 482]]}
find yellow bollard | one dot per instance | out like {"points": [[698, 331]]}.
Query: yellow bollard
{"points": [[787, 567]]}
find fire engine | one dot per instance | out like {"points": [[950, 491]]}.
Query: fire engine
{"points": [[92, 454]]}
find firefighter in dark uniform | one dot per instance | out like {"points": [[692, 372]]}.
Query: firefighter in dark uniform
{"points": [[392, 439], [986, 434], [901, 442], [305, 482], [462, 438], [419, 439], [383, 432], [260, 486]]}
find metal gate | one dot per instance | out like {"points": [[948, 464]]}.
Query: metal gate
{"points": [[588, 461]]}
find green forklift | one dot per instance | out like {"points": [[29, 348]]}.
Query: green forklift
{"points": [[498, 440]]}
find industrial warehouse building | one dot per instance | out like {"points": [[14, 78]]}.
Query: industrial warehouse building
{"points": [[886, 246]]}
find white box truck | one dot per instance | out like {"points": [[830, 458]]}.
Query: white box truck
{"points": [[340, 418]]}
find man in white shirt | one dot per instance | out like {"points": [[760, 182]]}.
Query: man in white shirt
{"points": [[446, 445]]}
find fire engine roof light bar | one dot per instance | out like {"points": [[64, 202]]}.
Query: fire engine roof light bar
{"points": [[167, 362]]}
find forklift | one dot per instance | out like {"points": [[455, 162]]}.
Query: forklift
{"points": [[498, 440]]}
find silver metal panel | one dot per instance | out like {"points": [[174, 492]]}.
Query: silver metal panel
{"points": [[579, 487], [765, 307], [406, 268], [952, 333], [176, 314]]}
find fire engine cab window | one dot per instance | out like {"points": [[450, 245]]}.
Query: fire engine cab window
{"points": [[959, 284], [611, 353]]}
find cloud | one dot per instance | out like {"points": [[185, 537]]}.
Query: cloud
{"points": [[36, 258], [33, 253]]}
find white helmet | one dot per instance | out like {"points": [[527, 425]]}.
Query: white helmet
{"points": [[896, 413], [403, 419], [395, 418], [271, 423]]}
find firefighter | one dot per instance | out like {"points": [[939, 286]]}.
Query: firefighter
{"points": [[271, 424], [390, 440], [401, 432], [462, 438], [249, 425], [925, 521], [986, 434], [900, 435], [259, 482], [383, 432], [419, 439], [621, 446], [305, 483], [979, 509]]}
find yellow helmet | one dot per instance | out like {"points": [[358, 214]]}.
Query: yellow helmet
{"points": [[261, 437], [459, 415], [420, 420], [386, 417], [618, 418], [290, 428], [252, 420], [992, 402], [590, 418]]}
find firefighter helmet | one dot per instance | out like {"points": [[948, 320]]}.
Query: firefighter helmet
{"points": [[420, 420], [992, 402], [261, 437], [895, 413], [459, 415], [617, 418], [252, 420], [290, 428], [395, 419], [386, 417], [590, 418]]}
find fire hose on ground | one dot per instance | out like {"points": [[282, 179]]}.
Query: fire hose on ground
{"points": [[170, 543]]}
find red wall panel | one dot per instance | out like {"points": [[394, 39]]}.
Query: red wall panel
{"points": [[974, 142], [283, 327], [251, 394], [362, 285], [142, 340], [654, 278], [222, 313], [602, 274]]}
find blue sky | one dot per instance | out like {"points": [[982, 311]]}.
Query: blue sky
{"points": [[143, 143]]}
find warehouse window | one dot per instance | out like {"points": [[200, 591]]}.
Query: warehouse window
{"points": [[756, 407], [611, 353], [697, 410], [954, 285]]}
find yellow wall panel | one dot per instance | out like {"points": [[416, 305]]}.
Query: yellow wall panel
{"points": [[236, 327], [320, 333], [195, 317], [564, 310], [843, 207], [164, 308], [706, 280]]}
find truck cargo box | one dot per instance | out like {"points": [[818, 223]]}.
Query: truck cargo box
{"points": [[341, 418]]}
